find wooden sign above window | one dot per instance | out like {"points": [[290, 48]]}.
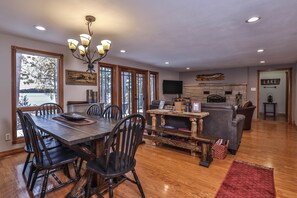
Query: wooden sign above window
{"points": [[273, 81]]}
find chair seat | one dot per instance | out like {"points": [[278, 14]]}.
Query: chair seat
{"points": [[60, 155], [50, 143], [98, 166]]}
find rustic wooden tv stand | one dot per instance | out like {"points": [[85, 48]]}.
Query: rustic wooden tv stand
{"points": [[192, 139]]}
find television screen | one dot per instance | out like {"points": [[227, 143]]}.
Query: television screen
{"points": [[172, 87]]}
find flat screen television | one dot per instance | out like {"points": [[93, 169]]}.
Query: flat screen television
{"points": [[172, 87]]}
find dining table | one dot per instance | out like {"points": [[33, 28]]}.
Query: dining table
{"points": [[73, 133]]}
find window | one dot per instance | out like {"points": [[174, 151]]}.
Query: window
{"points": [[105, 79], [37, 79], [154, 86]]}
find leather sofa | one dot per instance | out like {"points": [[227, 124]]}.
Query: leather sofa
{"points": [[223, 122], [247, 110]]}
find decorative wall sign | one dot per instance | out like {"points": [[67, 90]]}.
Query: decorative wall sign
{"points": [[273, 81], [80, 78], [204, 77]]}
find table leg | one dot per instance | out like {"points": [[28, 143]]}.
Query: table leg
{"points": [[264, 111], [78, 190]]}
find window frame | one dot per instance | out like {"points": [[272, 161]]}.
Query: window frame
{"points": [[14, 50]]}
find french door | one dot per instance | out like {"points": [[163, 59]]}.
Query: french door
{"points": [[133, 91]]}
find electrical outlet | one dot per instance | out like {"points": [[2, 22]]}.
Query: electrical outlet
{"points": [[7, 137]]}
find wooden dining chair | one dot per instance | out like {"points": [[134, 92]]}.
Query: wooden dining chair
{"points": [[49, 143], [49, 108], [116, 163], [46, 160], [95, 109], [113, 112]]}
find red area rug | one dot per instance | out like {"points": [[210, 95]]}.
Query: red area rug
{"points": [[247, 180]]}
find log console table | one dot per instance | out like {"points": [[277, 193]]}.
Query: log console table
{"points": [[192, 139]]}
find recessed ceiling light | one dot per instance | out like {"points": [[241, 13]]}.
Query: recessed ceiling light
{"points": [[38, 27], [123, 51], [260, 50], [188, 68], [166, 63], [262, 62], [253, 19]]}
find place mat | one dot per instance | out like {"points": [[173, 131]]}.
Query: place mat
{"points": [[79, 123], [247, 180]]}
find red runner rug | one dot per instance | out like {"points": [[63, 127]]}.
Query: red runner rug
{"points": [[247, 180]]}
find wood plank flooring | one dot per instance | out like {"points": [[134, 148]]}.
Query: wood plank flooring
{"points": [[168, 172]]}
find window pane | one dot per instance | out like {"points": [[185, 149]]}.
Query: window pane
{"points": [[105, 85], [36, 79], [153, 95], [126, 78]]}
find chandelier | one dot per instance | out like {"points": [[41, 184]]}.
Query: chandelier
{"points": [[85, 53]]}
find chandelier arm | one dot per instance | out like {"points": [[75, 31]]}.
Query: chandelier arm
{"points": [[89, 28], [99, 59], [93, 55], [78, 57]]}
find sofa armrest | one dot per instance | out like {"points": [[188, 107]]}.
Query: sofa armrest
{"points": [[238, 118]]}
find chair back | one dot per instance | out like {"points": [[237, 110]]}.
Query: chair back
{"points": [[49, 108], [25, 130], [40, 150], [113, 112], [123, 141], [94, 109]]}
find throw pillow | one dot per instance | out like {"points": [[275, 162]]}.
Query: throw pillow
{"points": [[248, 104]]}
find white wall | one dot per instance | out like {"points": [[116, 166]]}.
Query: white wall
{"points": [[71, 92], [278, 93]]}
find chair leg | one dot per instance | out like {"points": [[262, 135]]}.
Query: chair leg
{"points": [[76, 170], [26, 162], [34, 179], [88, 187], [80, 164], [110, 188], [43, 191], [30, 175], [138, 183]]}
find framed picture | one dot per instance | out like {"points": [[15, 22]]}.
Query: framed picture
{"points": [[161, 104], [196, 106], [80, 78]]}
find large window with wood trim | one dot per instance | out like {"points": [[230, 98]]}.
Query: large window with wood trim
{"points": [[37, 79]]}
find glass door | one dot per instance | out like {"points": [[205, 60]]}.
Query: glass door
{"points": [[133, 91]]}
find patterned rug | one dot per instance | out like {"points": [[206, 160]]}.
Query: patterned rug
{"points": [[247, 180]]}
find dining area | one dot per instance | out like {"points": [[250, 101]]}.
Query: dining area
{"points": [[92, 151]]}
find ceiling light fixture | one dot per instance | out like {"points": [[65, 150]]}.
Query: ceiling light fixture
{"points": [[188, 68], [166, 63], [39, 27], [262, 62], [85, 54], [253, 19], [123, 51], [260, 50]]}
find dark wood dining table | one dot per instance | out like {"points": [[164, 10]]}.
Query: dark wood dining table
{"points": [[72, 134]]}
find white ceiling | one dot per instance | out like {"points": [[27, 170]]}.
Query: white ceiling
{"points": [[200, 34]]}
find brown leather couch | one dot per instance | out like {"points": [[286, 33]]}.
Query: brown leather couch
{"points": [[223, 122], [247, 110]]}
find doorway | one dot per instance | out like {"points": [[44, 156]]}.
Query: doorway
{"points": [[275, 95]]}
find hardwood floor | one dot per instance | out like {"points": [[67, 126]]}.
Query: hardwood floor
{"points": [[169, 172]]}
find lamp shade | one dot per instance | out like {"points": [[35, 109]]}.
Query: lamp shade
{"points": [[100, 49], [85, 39], [106, 44], [82, 50], [72, 44]]}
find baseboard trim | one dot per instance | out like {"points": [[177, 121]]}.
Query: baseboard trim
{"points": [[11, 152]]}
